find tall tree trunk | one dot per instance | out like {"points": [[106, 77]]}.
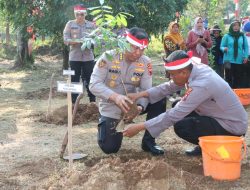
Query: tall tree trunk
{"points": [[7, 33], [23, 58], [43, 37], [65, 57]]}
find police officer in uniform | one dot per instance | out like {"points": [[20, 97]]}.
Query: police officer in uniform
{"points": [[134, 70], [209, 107], [82, 62]]}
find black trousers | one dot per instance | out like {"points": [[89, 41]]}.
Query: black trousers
{"points": [[194, 126], [84, 70], [109, 140], [219, 69], [246, 74], [235, 75]]}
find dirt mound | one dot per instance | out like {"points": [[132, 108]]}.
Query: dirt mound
{"points": [[85, 113], [113, 173], [43, 94]]}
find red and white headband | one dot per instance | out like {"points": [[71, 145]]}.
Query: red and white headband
{"points": [[141, 43], [182, 63], [80, 9]]}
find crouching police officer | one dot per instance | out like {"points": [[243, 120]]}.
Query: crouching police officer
{"points": [[209, 107], [133, 70]]}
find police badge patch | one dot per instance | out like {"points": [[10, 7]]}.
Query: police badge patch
{"points": [[112, 83], [102, 63], [189, 90], [136, 81]]}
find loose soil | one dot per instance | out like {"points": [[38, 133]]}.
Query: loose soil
{"points": [[30, 144]]}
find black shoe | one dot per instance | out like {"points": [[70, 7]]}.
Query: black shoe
{"points": [[149, 146], [196, 151], [92, 100]]}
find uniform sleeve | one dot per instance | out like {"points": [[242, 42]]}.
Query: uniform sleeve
{"points": [[66, 33], [190, 101], [97, 81], [161, 91], [146, 83], [190, 43]]}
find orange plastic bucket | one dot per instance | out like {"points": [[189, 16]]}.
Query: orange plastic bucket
{"points": [[222, 156], [244, 95]]}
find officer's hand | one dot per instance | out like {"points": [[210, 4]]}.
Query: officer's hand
{"points": [[133, 129], [129, 118], [225, 49], [245, 61], [122, 102], [133, 96]]}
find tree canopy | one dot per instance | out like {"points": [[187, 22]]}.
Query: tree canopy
{"points": [[48, 17]]}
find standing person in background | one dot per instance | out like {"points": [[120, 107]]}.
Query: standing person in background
{"points": [[173, 40], [217, 53], [246, 29], [199, 40], [235, 48], [82, 62]]}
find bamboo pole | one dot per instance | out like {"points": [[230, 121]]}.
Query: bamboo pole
{"points": [[65, 139], [50, 96]]}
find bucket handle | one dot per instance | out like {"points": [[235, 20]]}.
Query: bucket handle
{"points": [[214, 156]]}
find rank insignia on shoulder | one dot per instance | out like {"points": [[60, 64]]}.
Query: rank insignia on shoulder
{"points": [[102, 63], [112, 84], [121, 57]]}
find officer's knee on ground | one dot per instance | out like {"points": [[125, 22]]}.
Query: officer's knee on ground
{"points": [[109, 140], [111, 144]]}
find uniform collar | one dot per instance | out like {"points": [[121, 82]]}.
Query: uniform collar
{"points": [[192, 74]]}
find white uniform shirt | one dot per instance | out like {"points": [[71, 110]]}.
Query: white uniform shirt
{"points": [[208, 95], [106, 79]]}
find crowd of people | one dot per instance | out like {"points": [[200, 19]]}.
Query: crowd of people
{"points": [[230, 52], [209, 106]]}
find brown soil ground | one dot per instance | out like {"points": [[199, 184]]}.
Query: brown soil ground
{"points": [[30, 145]]}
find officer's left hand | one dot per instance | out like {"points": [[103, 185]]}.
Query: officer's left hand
{"points": [[133, 96], [133, 129], [122, 102]]}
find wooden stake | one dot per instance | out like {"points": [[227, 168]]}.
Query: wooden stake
{"points": [[50, 96], [70, 127], [65, 139]]}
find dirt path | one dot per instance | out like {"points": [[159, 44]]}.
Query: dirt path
{"points": [[29, 148]]}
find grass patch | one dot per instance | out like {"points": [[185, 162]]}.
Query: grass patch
{"points": [[7, 51], [155, 48]]}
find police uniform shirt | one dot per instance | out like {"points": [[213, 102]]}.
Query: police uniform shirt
{"points": [[208, 95], [73, 30], [107, 78]]}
